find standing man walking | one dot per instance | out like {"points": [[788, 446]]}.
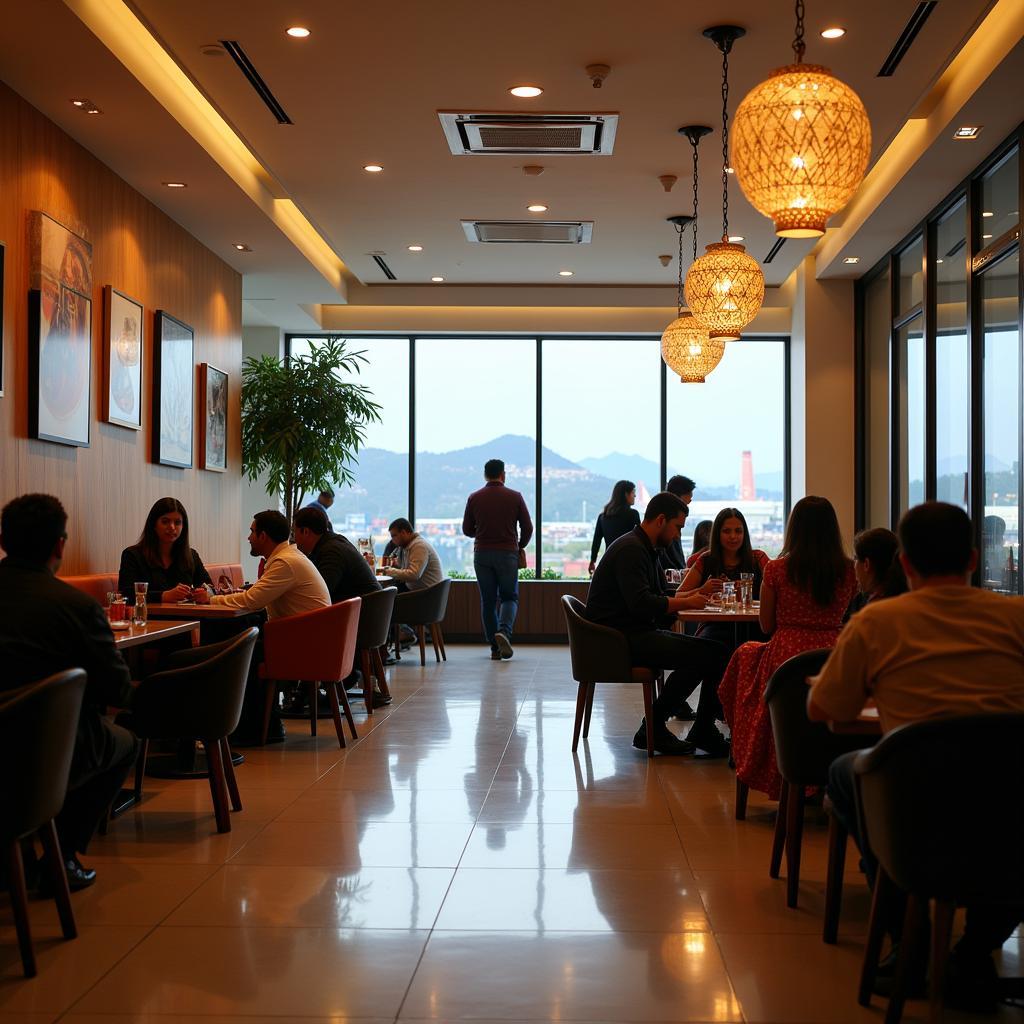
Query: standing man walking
{"points": [[499, 522]]}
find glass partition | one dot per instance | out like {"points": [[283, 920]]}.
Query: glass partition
{"points": [[910, 348], [1000, 200], [877, 325], [911, 278]]}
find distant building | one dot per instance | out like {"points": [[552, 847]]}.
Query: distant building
{"points": [[748, 492]]}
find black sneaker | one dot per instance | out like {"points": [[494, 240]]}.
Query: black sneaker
{"points": [[665, 742], [503, 644], [711, 745], [495, 654]]}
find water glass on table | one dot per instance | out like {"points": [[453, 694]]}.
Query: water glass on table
{"points": [[746, 591], [140, 612]]}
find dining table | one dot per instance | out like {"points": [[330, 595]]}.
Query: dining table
{"points": [[714, 613], [149, 632], [176, 609]]}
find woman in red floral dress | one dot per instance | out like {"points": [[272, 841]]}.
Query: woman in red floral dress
{"points": [[804, 595]]}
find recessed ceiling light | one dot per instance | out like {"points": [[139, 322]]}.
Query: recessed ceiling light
{"points": [[735, 238], [968, 131], [537, 208], [565, 273], [79, 103], [298, 32], [986, 236], [415, 248], [93, 110], [835, 32], [987, 213], [242, 247], [852, 259], [373, 168], [175, 184], [437, 280], [86, 106], [526, 92]]}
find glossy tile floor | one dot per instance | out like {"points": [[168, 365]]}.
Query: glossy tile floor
{"points": [[457, 863]]}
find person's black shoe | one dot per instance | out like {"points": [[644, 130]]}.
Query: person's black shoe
{"points": [[665, 742], [685, 713], [504, 645], [971, 984], [713, 744], [380, 700], [79, 877], [354, 681], [495, 655], [885, 976]]}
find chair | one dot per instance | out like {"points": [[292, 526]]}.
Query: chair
{"points": [[372, 635], [803, 751], [198, 694], [422, 608], [600, 654], [943, 827], [38, 724], [317, 648]]}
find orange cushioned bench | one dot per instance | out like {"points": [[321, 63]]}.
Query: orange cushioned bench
{"points": [[99, 584]]}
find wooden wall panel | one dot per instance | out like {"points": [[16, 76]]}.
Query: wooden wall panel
{"points": [[108, 488]]}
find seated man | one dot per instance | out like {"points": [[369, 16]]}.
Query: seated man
{"points": [[344, 570], [418, 565], [943, 649], [626, 594], [47, 626], [290, 584]]}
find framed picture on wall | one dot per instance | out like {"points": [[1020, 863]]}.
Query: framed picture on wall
{"points": [[123, 353], [213, 418], [60, 332], [173, 401]]}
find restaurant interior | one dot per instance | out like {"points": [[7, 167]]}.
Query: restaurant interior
{"points": [[770, 249]]}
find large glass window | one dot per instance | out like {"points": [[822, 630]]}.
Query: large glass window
{"points": [[877, 325], [910, 346], [952, 360], [1000, 200], [732, 440], [1000, 292], [380, 492], [475, 400], [585, 454], [911, 283]]}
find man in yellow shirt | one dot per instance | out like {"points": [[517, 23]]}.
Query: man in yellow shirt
{"points": [[943, 649]]}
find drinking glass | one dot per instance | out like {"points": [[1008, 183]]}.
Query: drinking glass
{"points": [[139, 613], [729, 597], [117, 609], [747, 590]]}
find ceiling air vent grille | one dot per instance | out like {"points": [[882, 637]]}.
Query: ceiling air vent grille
{"points": [[518, 232], [529, 134]]}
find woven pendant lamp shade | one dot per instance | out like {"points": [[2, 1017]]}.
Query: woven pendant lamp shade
{"points": [[724, 289], [688, 351], [800, 147]]}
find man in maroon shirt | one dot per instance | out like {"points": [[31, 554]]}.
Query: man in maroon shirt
{"points": [[498, 520]]}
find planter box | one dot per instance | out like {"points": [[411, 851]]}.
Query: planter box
{"points": [[540, 618]]}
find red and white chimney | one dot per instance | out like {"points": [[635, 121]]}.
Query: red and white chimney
{"points": [[747, 490]]}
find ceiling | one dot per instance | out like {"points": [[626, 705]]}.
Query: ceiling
{"points": [[366, 87]]}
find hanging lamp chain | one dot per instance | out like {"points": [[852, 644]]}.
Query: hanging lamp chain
{"points": [[725, 143], [679, 285], [695, 142], [799, 46]]}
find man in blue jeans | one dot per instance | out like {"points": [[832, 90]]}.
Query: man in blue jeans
{"points": [[497, 519]]}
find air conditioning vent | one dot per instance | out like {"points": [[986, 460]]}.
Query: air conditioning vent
{"points": [[518, 232], [529, 134]]}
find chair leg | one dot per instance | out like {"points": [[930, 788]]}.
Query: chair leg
{"points": [[61, 892], [140, 769], [589, 710], [19, 904], [834, 879], [908, 949], [398, 641], [364, 667], [779, 841], [380, 671], [437, 631], [339, 691], [314, 706], [421, 634], [649, 716], [742, 791], [942, 934], [581, 706], [268, 707], [332, 700], [433, 640], [880, 899], [218, 784], [794, 842], [229, 775]]}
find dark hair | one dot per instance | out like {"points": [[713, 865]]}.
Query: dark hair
{"points": [[326, 492], [665, 504], [311, 518], [702, 535], [31, 525], [617, 502], [679, 484], [493, 468], [403, 525], [714, 560], [273, 524], [880, 547], [937, 539], [181, 550], [815, 559]]}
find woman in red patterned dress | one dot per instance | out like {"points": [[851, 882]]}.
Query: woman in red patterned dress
{"points": [[804, 595]]}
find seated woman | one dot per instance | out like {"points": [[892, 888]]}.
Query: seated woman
{"points": [[162, 557], [617, 518], [804, 594], [701, 540], [878, 569]]}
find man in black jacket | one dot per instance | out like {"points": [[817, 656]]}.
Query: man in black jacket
{"points": [[345, 571], [626, 594], [47, 626]]}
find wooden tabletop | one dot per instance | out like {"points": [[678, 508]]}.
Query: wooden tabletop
{"points": [[198, 611], [135, 636], [711, 615]]}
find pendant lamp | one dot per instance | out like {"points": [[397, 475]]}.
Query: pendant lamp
{"points": [[801, 142], [686, 347], [725, 287]]}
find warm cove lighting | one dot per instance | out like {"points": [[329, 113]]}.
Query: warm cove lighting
{"points": [[373, 168], [526, 92], [298, 32]]}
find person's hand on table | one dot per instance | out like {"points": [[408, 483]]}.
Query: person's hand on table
{"points": [[688, 602], [711, 586], [182, 592], [201, 595], [385, 570]]}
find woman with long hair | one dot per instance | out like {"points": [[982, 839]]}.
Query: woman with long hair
{"points": [[162, 557], [804, 595], [877, 566], [617, 518], [701, 540]]}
